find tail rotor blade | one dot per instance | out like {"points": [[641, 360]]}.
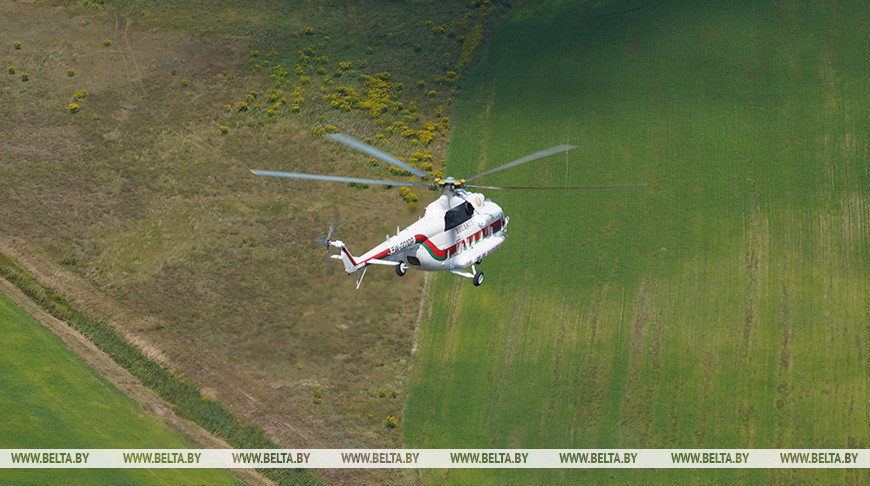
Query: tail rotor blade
{"points": [[332, 226], [323, 241]]}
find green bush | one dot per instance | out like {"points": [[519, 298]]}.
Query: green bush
{"points": [[390, 422]]}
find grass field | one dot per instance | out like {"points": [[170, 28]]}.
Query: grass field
{"points": [[139, 209], [724, 306], [50, 398]]}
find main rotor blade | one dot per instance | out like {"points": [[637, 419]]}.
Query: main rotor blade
{"points": [[318, 177], [615, 186], [527, 158], [354, 143]]}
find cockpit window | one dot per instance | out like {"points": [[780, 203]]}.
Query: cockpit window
{"points": [[458, 215]]}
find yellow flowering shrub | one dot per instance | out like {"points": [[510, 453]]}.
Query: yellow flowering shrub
{"points": [[398, 171]]}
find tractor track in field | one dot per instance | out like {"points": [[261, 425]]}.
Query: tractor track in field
{"points": [[149, 402]]}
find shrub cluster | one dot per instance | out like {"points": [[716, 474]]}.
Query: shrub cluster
{"points": [[323, 130], [302, 31], [408, 196], [390, 422]]}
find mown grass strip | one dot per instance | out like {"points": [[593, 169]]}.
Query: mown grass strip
{"points": [[50, 397], [186, 399]]}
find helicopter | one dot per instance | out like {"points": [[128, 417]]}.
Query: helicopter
{"points": [[456, 231]]}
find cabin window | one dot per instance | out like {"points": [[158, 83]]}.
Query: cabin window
{"points": [[458, 215], [414, 260]]}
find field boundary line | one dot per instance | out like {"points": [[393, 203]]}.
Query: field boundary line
{"points": [[184, 398], [129, 385]]}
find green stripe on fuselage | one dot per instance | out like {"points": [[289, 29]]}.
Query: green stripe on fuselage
{"points": [[432, 253]]}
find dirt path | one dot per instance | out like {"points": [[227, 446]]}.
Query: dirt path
{"points": [[149, 402]]}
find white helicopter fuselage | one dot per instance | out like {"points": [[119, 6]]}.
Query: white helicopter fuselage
{"points": [[457, 231]]}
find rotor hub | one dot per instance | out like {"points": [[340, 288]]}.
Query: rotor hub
{"points": [[450, 182]]}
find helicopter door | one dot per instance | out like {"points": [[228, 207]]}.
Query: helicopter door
{"points": [[458, 215]]}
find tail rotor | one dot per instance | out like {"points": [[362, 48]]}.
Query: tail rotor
{"points": [[324, 241]]}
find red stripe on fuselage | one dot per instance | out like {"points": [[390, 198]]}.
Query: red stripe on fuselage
{"points": [[431, 246], [344, 249], [378, 256]]}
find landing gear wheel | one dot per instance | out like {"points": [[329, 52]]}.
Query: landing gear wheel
{"points": [[478, 279], [401, 268]]}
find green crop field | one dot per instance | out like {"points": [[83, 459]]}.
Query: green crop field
{"points": [[724, 306], [51, 399]]}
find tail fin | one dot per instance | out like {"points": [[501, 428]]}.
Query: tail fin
{"points": [[350, 264]]}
